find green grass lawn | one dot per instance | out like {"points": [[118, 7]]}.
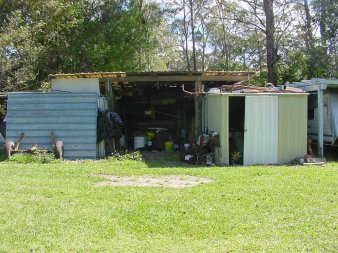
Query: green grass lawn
{"points": [[58, 208]]}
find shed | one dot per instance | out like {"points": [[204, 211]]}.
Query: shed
{"points": [[151, 100], [264, 126], [71, 116], [322, 110]]}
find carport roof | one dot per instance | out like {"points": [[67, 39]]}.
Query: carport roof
{"points": [[207, 76]]}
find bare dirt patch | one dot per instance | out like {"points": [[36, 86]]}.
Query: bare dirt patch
{"points": [[173, 181]]}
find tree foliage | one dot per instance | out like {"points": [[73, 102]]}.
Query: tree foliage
{"points": [[37, 38]]}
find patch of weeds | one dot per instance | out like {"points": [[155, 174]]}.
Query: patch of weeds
{"points": [[134, 156], [33, 158], [47, 158]]}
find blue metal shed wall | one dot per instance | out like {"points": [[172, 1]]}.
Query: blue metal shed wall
{"points": [[71, 116]]}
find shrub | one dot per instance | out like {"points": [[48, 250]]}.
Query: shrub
{"points": [[33, 158]]}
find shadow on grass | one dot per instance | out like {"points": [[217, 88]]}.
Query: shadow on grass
{"points": [[3, 156], [163, 160], [331, 153]]}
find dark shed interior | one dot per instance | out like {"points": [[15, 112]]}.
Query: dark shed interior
{"points": [[159, 106]]}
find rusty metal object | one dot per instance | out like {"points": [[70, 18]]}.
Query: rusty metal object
{"points": [[12, 148]]}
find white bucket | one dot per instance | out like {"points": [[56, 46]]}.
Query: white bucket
{"points": [[140, 142]]}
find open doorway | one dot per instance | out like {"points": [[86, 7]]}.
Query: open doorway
{"points": [[236, 129]]}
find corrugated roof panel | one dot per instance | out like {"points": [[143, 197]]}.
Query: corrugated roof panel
{"points": [[71, 116]]}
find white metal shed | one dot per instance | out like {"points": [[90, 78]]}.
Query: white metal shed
{"points": [[267, 128]]}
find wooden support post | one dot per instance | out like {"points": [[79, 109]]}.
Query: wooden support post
{"points": [[110, 147], [320, 121], [198, 107], [109, 95]]}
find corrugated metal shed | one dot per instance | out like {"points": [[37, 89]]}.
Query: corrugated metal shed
{"points": [[260, 135], [216, 114], [275, 129], [292, 129], [71, 116]]}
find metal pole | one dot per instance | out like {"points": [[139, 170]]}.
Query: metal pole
{"points": [[320, 121]]}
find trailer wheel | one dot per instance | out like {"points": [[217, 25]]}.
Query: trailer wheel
{"points": [[59, 149], [9, 146]]}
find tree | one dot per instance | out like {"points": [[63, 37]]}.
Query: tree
{"points": [[74, 36], [271, 50]]}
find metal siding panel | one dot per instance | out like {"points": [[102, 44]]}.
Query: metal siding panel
{"points": [[292, 133], [217, 120], [54, 113], [51, 119], [224, 137], [43, 140], [72, 118], [55, 106], [78, 85], [261, 130], [66, 133], [28, 126], [52, 99]]}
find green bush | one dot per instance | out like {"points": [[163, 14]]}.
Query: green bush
{"points": [[33, 158]]}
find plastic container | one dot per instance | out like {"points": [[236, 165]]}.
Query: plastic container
{"points": [[150, 135], [169, 146], [140, 142]]}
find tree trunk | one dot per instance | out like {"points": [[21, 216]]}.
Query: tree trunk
{"points": [[270, 40], [186, 36], [193, 35], [322, 22], [225, 49], [308, 32]]}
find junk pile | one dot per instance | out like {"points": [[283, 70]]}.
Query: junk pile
{"points": [[309, 158], [204, 152]]}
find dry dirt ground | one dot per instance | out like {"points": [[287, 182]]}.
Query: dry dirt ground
{"points": [[173, 181]]}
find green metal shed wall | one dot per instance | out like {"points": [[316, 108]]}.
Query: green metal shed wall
{"points": [[217, 119], [292, 129]]}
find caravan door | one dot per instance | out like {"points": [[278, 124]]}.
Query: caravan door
{"points": [[261, 130]]}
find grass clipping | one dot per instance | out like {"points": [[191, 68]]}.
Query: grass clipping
{"points": [[173, 181]]}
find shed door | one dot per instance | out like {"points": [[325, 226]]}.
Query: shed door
{"points": [[261, 130]]}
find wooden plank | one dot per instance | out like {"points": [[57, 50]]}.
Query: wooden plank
{"points": [[109, 94]]}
